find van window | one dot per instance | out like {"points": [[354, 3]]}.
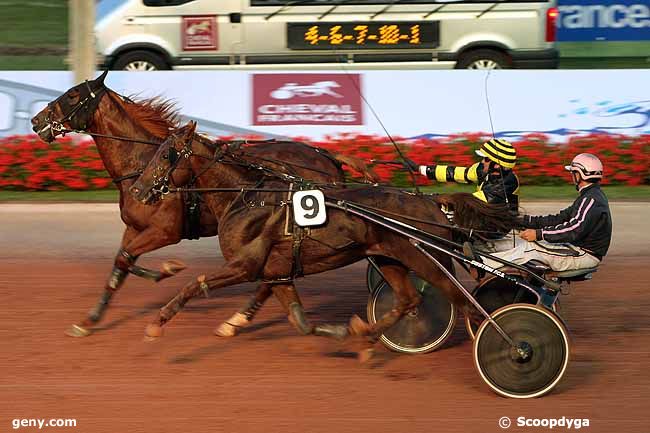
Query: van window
{"points": [[165, 2], [377, 2]]}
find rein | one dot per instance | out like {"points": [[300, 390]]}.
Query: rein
{"points": [[253, 188], [64, 131], [239, 159]]}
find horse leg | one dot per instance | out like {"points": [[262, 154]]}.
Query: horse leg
{"points": [[288, 297], [405, 295], [113, 283], [245, 266], [245, 316], [406, 298], [133, 244], [150, 239]]}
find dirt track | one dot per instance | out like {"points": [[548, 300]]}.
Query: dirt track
{"points": [[269, 379]]}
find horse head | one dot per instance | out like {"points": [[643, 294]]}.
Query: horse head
{"points": [[73, 110], [153, 184]]}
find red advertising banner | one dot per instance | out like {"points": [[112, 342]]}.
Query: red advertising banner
{"points": [[307, 99], [199, 33]]}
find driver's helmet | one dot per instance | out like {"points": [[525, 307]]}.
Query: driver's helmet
{"points": [[499, 151], [587, 165]]}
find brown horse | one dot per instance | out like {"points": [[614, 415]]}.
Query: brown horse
{"points": [[257, 245], [115, 122]]}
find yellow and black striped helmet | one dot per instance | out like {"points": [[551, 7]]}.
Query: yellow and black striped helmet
{"points": [[499, 151]]}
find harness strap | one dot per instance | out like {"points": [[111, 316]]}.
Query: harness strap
{"points": [[117, 180], [284, 280], [297, 237]]}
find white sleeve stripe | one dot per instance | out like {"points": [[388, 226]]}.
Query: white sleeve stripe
{"points": [[576, 225], [575, 217]]}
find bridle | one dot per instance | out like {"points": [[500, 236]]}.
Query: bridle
{"points": [[161, 182], [88, 102], [87, 105], [225, 152]]}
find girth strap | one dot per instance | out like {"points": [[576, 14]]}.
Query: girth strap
{"points": [[192, 215]]}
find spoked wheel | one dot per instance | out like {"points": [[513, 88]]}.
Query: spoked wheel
{"points": [[494, 293], [535, 364], [421, 330]]}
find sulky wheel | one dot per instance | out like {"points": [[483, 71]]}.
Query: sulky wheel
{"points": [[373, 278], [538, 360], [420, 331], [494, 293]]}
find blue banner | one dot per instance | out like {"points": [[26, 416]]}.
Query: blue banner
{"points": [[604, 20]]}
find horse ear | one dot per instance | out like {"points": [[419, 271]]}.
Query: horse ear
{"points": [[191, 128], [100, 79]]}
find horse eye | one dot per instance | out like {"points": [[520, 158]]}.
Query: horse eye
{"points": [[172, 155]]}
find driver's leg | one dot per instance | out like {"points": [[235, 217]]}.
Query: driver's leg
{"points": [[559, 257]]}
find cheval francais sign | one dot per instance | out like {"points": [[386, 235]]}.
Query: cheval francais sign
{"points": [[199, 33], [307, 99]]}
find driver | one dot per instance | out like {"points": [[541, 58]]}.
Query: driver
{"points": [[576, 238], [497, 182]]}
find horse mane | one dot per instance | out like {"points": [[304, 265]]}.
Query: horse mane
{"points": [[472, 213], [157, 115]]}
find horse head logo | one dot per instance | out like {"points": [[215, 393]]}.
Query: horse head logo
{"points": [[319, 88]]}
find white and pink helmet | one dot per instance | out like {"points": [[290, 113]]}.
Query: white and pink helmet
{"points": [[588, 165]]}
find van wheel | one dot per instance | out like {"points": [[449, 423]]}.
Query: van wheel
{"points": [[140, 61], [484, 59]]}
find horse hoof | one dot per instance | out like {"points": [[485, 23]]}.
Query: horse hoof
{"points": [[239, 319], [153, 331], [78, 331], [173, 267], [225, 330], [358, 326], [365, 355]]}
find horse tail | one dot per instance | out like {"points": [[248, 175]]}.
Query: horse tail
{"points": [[358, 165], [472, 213]]}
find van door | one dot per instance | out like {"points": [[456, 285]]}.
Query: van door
{"points": [[195, 32]]}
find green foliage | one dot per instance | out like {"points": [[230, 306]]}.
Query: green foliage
{"points": [[34, 24]]}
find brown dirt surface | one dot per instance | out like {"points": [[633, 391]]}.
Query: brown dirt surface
{"points": [[268, 378]]}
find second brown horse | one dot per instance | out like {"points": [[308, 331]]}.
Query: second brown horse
{"points": [[255, 243]]}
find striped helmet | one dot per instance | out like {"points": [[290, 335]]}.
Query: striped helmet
{"points": [[588, 165], [499, 151]]}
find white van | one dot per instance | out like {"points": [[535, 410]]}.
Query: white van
{"points": [[321, 34]]}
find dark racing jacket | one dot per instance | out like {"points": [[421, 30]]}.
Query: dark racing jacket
{"points": [[490, 187], [587, 223]]}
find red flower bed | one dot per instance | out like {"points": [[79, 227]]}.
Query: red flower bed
{"points": [[540, 162], [27, 163]]}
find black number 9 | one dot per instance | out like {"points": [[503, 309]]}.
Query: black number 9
{"points": [[309, 203]]}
